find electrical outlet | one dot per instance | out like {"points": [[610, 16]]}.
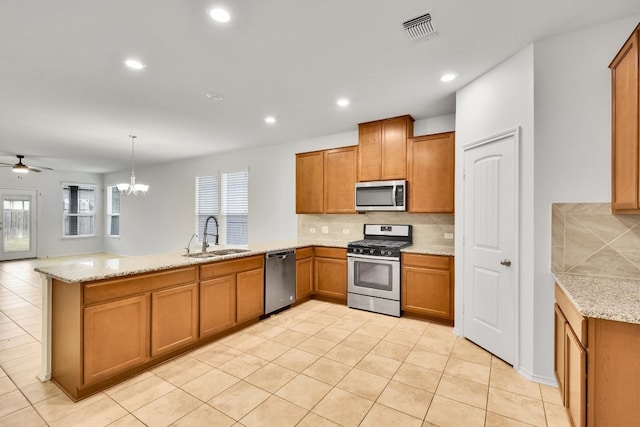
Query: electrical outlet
{"points": [[312, 230], [345, 231], [325, 229], [448, 235]]}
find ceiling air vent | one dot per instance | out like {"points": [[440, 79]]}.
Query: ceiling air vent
{"points": [[419, 27]]}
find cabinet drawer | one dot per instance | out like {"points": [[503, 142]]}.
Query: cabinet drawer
{"points": [[224, 268], [428, 261], [337, 253], [303, 253], [573, 316], [133, 285]]}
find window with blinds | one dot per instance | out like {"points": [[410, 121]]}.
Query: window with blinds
{"points": [[113, 211], [225, 196], [78, 213]]}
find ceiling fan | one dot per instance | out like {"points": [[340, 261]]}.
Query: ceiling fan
{"points": [[21, 167]]}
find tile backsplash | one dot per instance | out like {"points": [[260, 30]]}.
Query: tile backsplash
{"points": [[587, 239], [428, 229]]}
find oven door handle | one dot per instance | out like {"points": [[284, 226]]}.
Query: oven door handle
{"points": [[373, 257]]}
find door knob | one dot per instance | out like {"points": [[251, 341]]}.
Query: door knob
{"points": [[506, 262]]}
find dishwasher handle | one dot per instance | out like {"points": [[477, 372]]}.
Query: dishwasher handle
{"points": [[281, 254]]}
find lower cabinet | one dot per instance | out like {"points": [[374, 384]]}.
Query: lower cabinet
{"points": [[249, 295], [217, 305], [427, 285], [330, 268], [304, 273], [174, 318]]}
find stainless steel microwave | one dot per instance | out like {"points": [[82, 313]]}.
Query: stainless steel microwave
{"points": [[381, 195]]}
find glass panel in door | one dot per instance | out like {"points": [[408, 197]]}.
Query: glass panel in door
{"points": [[17, 224]]}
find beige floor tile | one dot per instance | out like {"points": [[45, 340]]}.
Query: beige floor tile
{"points": [[324, 319], [218, 355], [23, 417], [269, 350], [384, 321], [167, 409], [468, 370], [449, 413], [271, 377], [363, 342], [99, 413], [302, 314], [39, 391], [6, 385], [29, 349], [408, 339], [391, 350], [274, 412], [127, 421], [204, 416], [316, 345], [345, 354], [428, 360], [314, 420], [412, 326], [375, 331], [282, 320], [407, 399], [514, 382], [360, 315], [462, 390], [556, 415], [466, 350], [290, 338], [379, 365], [210, 384], [16, 342], [138, 394], [328, 371], [184, 372], [308, 327], [332, 333], [497, 363], [239, 399], [296, 359], [347, 324], [304, 391], [243, 366], [244, 341], [265, 330], [516, 406], [382, 416], [12, 402], [337, 310], [551, 394], [364, 384], [343, 408], [435, 345], [495, 420], [416, 376]]}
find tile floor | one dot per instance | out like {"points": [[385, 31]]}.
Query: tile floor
{"points": [[317, 364]]}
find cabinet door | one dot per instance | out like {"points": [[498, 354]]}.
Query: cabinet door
{"points": [[431, 173], [426, 291], [217, 305], [250, 295], [394, 146], [304, 278], [310, 182], [625, 118], [174, 318], [560, 324], [575, 379], [340, 180], [370, 151], [116, 336], [331, 278]]}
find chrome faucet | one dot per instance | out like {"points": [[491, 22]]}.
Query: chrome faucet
{"points": [[188, 248], [205, 234]]}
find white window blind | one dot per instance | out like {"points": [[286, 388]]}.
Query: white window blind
{"points": [[113, 211], [78, 211], [225, 196]]}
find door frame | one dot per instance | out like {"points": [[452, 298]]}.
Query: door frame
{"points": [[33, 226], [515, 133]]}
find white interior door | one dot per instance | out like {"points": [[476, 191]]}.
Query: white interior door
{"points": [[18, 224], [490, 230]]}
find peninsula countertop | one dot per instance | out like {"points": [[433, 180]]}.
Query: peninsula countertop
{"points": [[87, 269], [603, 297]]}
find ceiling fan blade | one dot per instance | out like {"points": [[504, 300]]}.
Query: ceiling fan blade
{"points": [[32, 169], [6, 165], [41, 167]]}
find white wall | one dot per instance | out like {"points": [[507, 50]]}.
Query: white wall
{"points": [[499, 100], [48, 185], [572, 148]]}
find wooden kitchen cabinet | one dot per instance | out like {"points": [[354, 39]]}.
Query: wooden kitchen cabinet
{"points": [[174, 318], [310, 182], [431, 173], [249, 295], [382, 148], [217, 305], [625, 124], [427, 286], [304, 273], [330, 268]]}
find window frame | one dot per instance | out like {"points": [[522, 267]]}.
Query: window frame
{"points": [[91, 214], [109, 211]]}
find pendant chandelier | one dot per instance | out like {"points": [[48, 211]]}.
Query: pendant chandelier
{"points": [[132, 188]]}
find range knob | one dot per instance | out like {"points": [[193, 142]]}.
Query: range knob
{"points": [[371, 251]]}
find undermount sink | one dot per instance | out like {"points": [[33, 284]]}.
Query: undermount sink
{"points": [[218, 252]]}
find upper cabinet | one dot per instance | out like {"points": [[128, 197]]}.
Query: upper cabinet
{"points": [[430, 175], [625, 118], [382, 148], [325, 181]]}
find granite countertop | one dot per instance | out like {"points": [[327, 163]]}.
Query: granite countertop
{"points": [[602, 297], [87, 269]]}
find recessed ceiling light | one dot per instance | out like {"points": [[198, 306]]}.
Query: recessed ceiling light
{"points": [[134, 64], [447, 77], [219, 15], [270, 119], [342, 102]]}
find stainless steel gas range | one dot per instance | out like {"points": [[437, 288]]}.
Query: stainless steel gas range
{"points": [[374, 268]]}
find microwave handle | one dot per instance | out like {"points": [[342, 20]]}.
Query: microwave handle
{"points": [[399, 195]]}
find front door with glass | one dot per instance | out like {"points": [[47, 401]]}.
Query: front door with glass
{"points": [[18, 224]]}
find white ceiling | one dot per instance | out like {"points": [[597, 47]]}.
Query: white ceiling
{"points": [[68, 102]]}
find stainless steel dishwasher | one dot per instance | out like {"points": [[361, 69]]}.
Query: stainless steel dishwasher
{"points": [[279, 280]]}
